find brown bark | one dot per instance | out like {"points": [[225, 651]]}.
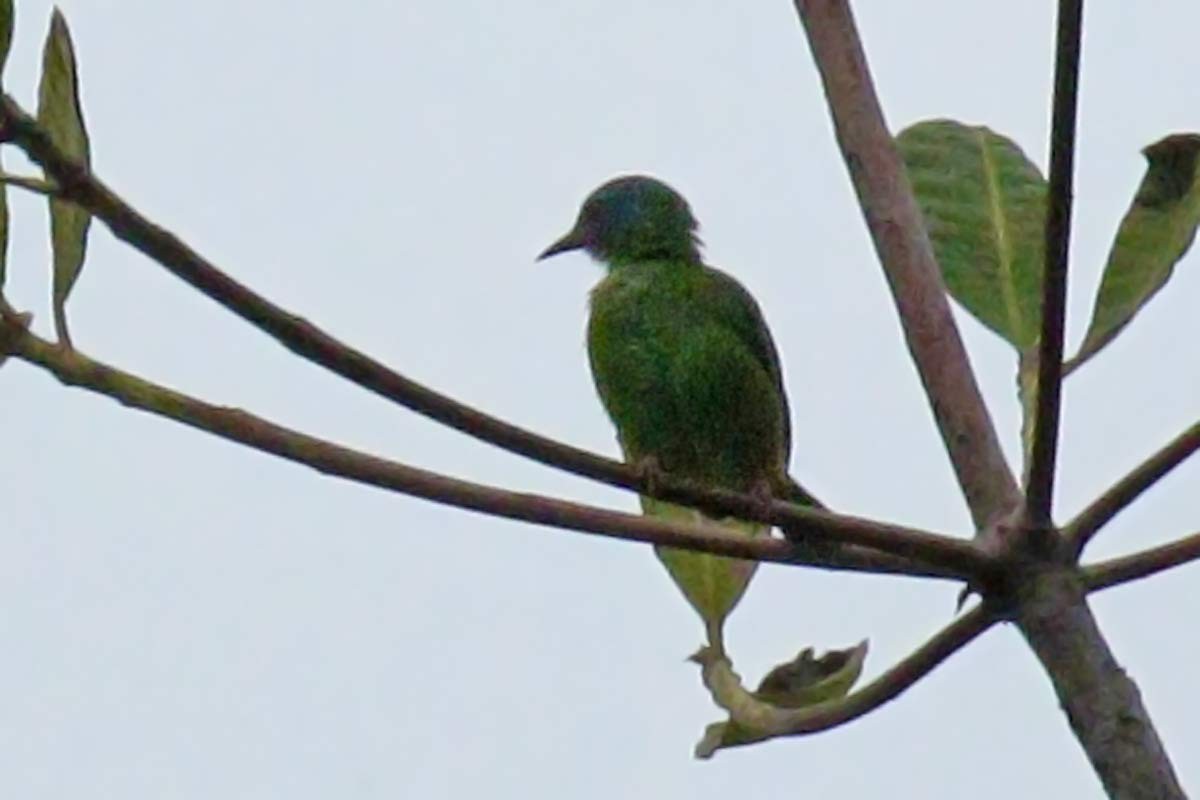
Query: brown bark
{"points": [[1102, 703], [896, 227]]}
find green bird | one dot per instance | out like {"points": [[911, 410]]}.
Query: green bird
{"points": [[686, 368]]}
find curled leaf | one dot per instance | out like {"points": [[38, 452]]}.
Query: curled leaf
{"points": [[1155, 233], [984, 204], [60, 113], [784, 701], [806, 680]]}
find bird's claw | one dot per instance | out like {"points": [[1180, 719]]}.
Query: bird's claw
{"points": [[651, 473], [763, 498]]}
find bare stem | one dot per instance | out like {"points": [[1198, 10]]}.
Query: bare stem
{"points": [[907, 257], [1122, 493], [1044, 448], [35, 185], [79, 185], [938, 556], [1101, 702], [1142, 564]]}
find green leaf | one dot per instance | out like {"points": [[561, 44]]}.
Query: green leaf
{"points": [[60, 114], [712, 584], [984, 207], [805, 680], [6, 33], [1156, 231]]}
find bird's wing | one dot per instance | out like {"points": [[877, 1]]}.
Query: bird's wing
{"points": [[738, 309]]}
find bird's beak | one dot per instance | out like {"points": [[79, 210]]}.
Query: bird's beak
{"points": [[573, 240]]}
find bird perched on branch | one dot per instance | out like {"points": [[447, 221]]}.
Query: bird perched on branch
{"points": [[686, 368]]}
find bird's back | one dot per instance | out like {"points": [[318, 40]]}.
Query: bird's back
{"points": [[687, 371]]}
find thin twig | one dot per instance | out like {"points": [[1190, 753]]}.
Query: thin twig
{"points": [[1100, 700], [941, 556], [1136, 566], [907, 257], [1122, 493], [298, 335], [823, 716], [1044, 448], [35, 185], [79, 185], [308, 341]]}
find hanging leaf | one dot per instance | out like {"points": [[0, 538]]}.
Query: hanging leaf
{"points": [[6, 33], [60, 114], [984, 207], [1156, 231], [713, 585]]}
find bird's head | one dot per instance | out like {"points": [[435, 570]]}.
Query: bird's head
{"points": [[632, 218]]}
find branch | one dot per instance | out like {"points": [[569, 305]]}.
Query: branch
{"points": [[753, 720], [1044, 448], [77, 184], [301, 337], [908, 262], [1122, 493], [1136, 566], [1101, 701], [939, 556]]}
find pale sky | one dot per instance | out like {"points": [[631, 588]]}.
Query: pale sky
{"points": [[184, 618]]}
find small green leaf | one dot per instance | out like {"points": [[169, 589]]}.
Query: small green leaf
{"points": [[60, 114], [1156, 231], [712, 584], [6, 33], [984, 207]]}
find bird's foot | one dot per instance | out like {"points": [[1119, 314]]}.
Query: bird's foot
{"points": [[651, 473], [763, 497], [807, 544]]}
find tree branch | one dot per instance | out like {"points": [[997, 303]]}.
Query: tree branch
{"points": [[753, 720], [907, 257], [1142, 564], [77, 184], [938, 556], [1122, 493], [1044, 448], [1102, 703]]}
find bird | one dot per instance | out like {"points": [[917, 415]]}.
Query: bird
{"points": [[686, 368]]}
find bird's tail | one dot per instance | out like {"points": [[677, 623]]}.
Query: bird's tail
{"points": [[793, 492]]}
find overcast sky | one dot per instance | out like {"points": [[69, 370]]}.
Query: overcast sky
{"points": [[183, 618]]}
